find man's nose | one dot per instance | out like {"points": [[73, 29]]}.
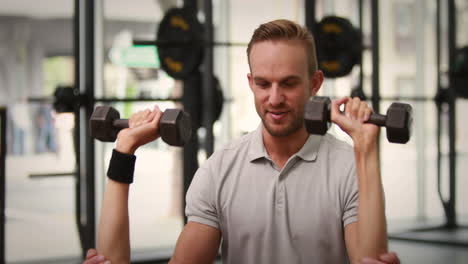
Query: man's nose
{"points": [[276, 95]]}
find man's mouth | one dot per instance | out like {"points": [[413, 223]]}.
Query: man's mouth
{"points": [[277, 115]]}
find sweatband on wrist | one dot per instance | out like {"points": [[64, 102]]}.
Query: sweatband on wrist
{"points": [[121, 167]]}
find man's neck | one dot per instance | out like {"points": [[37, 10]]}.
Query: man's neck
{"points": [[281, 149]]}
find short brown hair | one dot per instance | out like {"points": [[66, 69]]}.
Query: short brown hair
{"points": [[283, 29]]}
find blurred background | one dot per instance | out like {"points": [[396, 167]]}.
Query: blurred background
{"points": [[59, 59]]}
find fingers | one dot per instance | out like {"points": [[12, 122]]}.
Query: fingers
{"points": [[144, 117], [387, 258], [363, 111], [156, 115], [91, 253], [335, 106], [352, 108], [357, 109], [370, 261], [341, 101], [367, 114], [337, 116], [356, 112], [93, 258], [390, 258], [139, 118]]}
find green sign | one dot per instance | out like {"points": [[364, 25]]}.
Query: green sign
{"points": [[137, 56]]}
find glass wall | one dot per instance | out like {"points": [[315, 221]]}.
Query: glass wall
{"points": [[408, 69], [36, 56], [155, 202]]}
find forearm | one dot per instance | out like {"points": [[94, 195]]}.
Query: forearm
{"points": [[372, 230], [113, 233]]}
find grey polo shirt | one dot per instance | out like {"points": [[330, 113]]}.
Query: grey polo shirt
{"points": [[269, 215]]}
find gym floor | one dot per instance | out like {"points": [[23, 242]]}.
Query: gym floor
{"points": [[421, 253], [429, 253], [418, 253]]}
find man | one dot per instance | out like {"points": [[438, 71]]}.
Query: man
{"points": [[278, 194]]}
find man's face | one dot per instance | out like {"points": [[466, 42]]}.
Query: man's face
{"points": [[281, 85]]}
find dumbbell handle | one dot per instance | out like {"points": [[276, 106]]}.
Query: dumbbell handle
{"points": [[374, 118], [120, 123], [377, 119]]}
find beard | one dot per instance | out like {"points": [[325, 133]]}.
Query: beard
{"points": [[285, 129]]}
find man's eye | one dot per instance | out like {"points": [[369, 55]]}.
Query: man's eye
{"points": [[262, 84], [290, 83]]}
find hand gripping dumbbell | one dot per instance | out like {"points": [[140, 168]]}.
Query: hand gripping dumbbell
{"points": [[175, 126], [398, 120]]}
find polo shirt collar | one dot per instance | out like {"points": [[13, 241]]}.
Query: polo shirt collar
{"points": [[257, 149], [308, 152]]}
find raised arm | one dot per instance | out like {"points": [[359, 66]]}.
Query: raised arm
{"points": [[368, 236], [113, 231], [198, 243]]}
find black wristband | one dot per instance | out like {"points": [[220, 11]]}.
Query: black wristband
{"points": [[121, 167]]}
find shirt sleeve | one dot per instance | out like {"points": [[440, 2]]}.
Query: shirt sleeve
{"points": [[200, 199], [350, 197]]}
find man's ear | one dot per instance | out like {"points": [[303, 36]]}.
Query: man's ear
{"points": [[249, 77], [316, 83]]}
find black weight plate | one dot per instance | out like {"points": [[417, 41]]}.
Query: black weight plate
{"points": [[193, 98], [64, 99], [180, 37], [338, 46]]}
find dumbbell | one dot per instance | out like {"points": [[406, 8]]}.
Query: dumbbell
{"points": [[398, 120], [175, 126]]}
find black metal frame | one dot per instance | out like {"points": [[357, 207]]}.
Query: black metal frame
{"points": [[310, 14], [361, 61], [450, 206], [50, 100], [375, 55], [84, 75], [188, 43], [76, 139], [208, 73], [3, 150]]}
